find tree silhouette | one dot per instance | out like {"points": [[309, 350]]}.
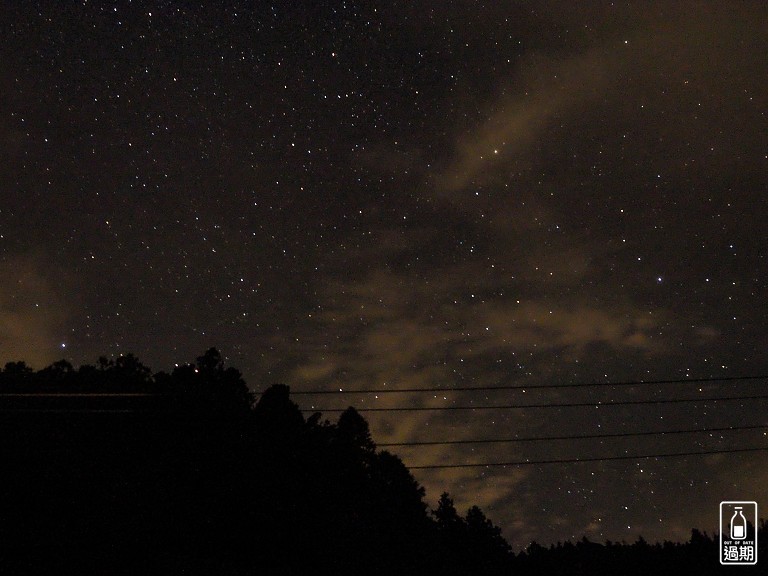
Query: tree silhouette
{"points": [[448, 519], [485, 542], [192, 476], [353, 432]]}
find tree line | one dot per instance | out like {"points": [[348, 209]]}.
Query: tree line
{"points": [[189, 474]]}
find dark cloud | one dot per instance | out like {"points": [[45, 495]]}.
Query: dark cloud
{"points": [[34, 310]]}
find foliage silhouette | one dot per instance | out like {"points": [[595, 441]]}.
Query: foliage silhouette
{"points": [[188, 474]]}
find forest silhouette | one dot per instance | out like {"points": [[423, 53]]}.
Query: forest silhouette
{"points": [[113, 469]]}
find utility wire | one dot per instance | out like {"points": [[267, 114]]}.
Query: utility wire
{"points": [[596, 403], [425, 389], [526, 386], [66, 411], [577, 460], [79, 395], [579, 437]]}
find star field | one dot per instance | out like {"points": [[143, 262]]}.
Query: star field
{"points": [[365, 195]]}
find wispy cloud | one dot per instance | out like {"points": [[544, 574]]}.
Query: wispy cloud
{"points": [[32, 312]]}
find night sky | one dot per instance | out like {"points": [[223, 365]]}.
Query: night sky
{"points": [[386, 195]]}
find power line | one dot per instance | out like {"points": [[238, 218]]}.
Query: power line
{"points": [[597, 403], [79, 395], [66, 411], [579, 437], [527, 386], [578, 460]]}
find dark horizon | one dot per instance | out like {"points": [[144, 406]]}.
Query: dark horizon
{"points": [[113, 467], [118, 388]]}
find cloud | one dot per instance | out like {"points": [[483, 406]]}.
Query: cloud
{"points": [[393, 331], [519, 271], [516, 121], [537, 325], [656, 79], [32, 313]]}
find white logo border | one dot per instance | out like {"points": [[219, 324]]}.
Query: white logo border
{"points": [[755, 524]]}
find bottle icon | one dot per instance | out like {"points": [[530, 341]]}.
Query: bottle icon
{"points": [[738, 525]]}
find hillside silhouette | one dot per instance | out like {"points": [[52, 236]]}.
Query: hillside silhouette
{"points": [[113, 469]]}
